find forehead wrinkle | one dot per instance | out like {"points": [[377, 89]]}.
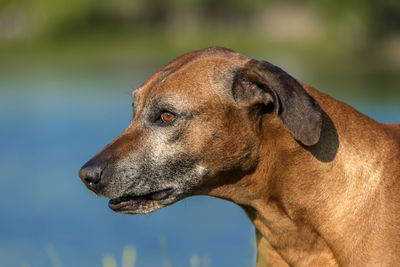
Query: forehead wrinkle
{"points": [[213, 64], [186, 59], [201, 76], [168, 69], [170, 102]]}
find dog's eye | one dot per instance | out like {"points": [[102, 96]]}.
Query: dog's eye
{"points": [[167, 117]]}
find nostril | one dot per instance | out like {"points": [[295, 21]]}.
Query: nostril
{"points": [[91, 175], [91, 181]]}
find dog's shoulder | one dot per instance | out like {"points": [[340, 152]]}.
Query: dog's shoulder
{"points": [[394, 130]]}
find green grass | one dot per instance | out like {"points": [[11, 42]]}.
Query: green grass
{"points": [[129, 256]]}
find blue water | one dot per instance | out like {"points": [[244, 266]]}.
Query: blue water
{"points": [[49, 127]]}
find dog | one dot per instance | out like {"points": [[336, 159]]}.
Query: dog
{"points": [[319, 180]]}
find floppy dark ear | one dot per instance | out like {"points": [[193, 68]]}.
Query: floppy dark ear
{"points": [[262, 82]]}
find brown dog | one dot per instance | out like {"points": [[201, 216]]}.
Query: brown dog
{"points": [[319, 180]]}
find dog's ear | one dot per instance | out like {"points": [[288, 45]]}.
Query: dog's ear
{"points": [[260, 83]]}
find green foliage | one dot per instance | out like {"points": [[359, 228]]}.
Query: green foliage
{"points": [[350, 39], [70, 17]]}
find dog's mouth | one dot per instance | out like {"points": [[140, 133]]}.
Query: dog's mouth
{"points": [[142, 203]]}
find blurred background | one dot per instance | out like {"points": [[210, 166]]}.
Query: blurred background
{"points": [[67, 69]]}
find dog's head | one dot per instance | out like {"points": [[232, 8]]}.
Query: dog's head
{"points": [[198, 123]]}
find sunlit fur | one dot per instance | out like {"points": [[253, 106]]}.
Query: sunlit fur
{"points": [[328, 200]]}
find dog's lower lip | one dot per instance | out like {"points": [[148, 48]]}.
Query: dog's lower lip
{"points": [[133, 202]]}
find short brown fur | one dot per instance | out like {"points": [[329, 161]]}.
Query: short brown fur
{"points": [[333, 203]]}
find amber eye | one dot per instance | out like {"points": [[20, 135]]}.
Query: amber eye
{"points": [[167, 117]]}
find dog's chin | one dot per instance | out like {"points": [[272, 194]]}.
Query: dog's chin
{"points": [[143, 204]]}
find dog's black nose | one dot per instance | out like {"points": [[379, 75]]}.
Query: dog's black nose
{"points": [[90, 174]]}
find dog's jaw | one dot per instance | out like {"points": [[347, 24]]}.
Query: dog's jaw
{"points": [[144, 204]]}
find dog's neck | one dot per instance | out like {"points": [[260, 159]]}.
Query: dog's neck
{"points": [[275, 198], [292, 198], [281, 211]]}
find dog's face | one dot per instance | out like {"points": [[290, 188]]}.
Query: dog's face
{"points": [[195, 122]]}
